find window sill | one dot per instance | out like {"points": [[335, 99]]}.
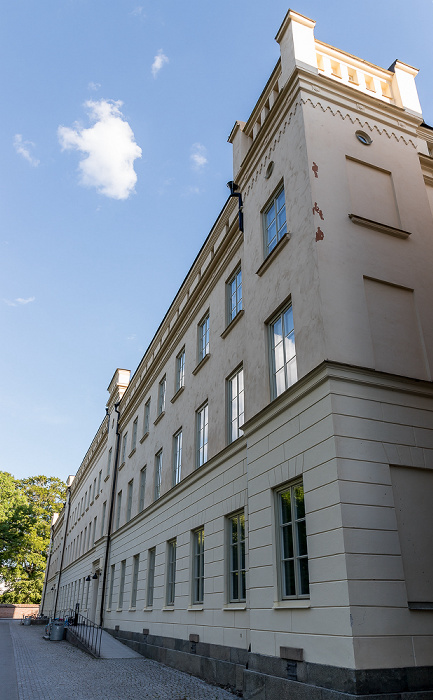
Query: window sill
{"points": [[144, 437], [119, 610], [234, 606], [107, 609], [200, 364], [377, 226], [232, 323], [132, 452], [292, 604], [168, 608], [273, 254], [107, 477], [177, 394], [161, 415], [195, 608], [132, 609], [97, 496], [148, 608], [121, 466]]}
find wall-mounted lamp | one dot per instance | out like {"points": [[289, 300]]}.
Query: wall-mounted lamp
{"points": [[233, 187], [88, 578], [95, 575]]}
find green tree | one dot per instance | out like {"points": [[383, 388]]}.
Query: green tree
{"points": [[26, 510]]}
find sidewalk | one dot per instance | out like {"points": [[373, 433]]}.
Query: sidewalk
{"points": [[59, 671]]}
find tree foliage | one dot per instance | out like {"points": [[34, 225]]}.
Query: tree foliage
{"points": [[26, 510]]}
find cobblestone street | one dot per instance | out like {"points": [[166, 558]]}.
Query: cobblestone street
{"points": [[59, 671]]}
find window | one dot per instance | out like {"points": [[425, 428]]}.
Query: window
{"points": [[104, 510], [293, 556], [171, 572], [146, 417], [150, 577], [161, 395], [235, 400], [129, 500], [121, 583], [99, 483], [202, 435], [275, 222], [94, 529], [177, 456], [234, 296], [110, 454], [198, 566], [110, 592], [283, 354], [125, 442], [135, 567], [119, 506], [237, 584], [94, 488], [84, 540], [142, 493], [180, 370], [203, 338], [134, 434], [158, 472], [85, 501]]}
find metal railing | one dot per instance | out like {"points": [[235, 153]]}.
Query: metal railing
{"points": [[86, 631]]}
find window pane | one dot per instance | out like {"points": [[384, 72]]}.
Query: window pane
{"points": [[299, 502], [287, 542], [289, 578], [303, 572]]}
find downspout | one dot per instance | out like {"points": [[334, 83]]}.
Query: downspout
{"points": [[63, 550], [110, 518]]}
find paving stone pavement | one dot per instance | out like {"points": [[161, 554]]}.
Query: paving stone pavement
{"points": [[59, 671]]}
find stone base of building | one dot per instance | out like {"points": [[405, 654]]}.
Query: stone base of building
{"points": [[260, 677]]}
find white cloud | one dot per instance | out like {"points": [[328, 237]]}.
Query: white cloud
{"points": [[198, 156], [131, 337], [158, 62], [93, 86], [23, 148], [138, 12], [109, 147], [19, 301]]}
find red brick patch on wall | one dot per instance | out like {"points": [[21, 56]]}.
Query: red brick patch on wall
{"points": [[15, 612]]}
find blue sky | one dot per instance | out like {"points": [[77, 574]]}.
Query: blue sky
{"points": [[93, 249]]}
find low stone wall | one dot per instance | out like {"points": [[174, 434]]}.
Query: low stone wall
{"points": [[259, 677], [9, 611]]}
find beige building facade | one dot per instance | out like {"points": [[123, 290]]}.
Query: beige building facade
{"points": [[255, 507]]}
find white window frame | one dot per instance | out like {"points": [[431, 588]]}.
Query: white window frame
{"points": [[177, 456], [142, 489], [180, 370], [121, 584], [170, 591], [202, 430], [134, 434], [158, 474], [134, 583], [129, 500], [104, 512], [110, 455], [234, 295], [150, 589], [197, 592], [124, 444], [292, 550], [203, 337], [235, 404], [146, 417], [118, 508], [236, 558], [279, 215], [162, 390], [283, 375], [110, 591]]}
